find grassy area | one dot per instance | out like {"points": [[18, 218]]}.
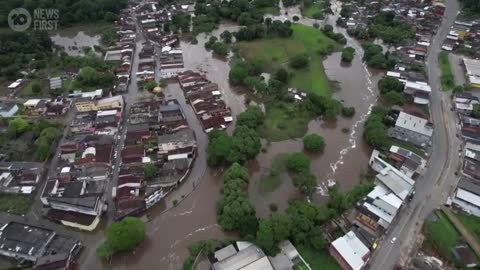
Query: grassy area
{"points": [[270, 10], [417, 150], [317, 8], [318, 260], [275, 176], [27, 92], [472, 223], [441, 236], [284, 121], [300, 266], [276, 52], [447, 79], [15, 204]]}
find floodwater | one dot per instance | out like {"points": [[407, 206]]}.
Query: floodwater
{"points": [[345, 158], [73, 44]]}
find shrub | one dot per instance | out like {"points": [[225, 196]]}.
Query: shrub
{"points": [[348, 111], [299, 61], [313, 143]]}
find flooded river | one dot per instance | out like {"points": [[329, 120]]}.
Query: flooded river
{"points": [[344, 160]]}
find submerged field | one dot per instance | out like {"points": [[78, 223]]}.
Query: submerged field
{"points": [[276, 52]]}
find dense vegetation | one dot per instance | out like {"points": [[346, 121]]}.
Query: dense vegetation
{"points": [[234, 211], [347, 54], [471, 8], [447, 79], [391, 90], [375, 131], [122, 236], [29, 141], [390, 29], [313, 143], [376, 59], [17, 49], [209, 13], [70, 11], [243, 145]]}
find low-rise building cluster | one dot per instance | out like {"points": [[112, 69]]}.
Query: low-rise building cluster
{"points": [[397, 171], [39, 247], [157, 136], [206, 100]]}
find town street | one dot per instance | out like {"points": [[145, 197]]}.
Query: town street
{"points": [[433, 188]]}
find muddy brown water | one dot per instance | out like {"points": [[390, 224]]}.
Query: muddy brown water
{"points": [[73, 44], [344, 160]]}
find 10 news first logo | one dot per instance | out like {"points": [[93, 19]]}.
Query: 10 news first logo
{"points": [[20, 19]]}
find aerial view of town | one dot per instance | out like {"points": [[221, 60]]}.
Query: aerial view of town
{"points": [[240, 134]]}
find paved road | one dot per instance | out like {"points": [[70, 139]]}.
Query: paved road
{"points": [[434, 186]]}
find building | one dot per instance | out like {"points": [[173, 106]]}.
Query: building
{"points": [[241, 256], [412, 129], [419, 91], [464, 103], [472, 68], [408, 162], [8, 109], [467, 196], [350, 252], [89, 104], [470, 128], [43, 248], [56, 83]]}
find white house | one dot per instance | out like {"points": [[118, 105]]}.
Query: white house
{"points": [[467, 196]]}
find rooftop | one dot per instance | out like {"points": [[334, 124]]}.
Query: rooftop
{"points": [[414, 123], [351, 249]]}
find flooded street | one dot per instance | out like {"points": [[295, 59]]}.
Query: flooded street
{"points": [[73, 41]]}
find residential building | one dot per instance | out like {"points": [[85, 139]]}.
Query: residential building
{"points": [[419, 91], [464, 103], [8, 109], [407, 161], [412, 129], [42, 247], [472, 68], [350, 252], [470, 128], [56, 83], [241, 256], [467, 196]]}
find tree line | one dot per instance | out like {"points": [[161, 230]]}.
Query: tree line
{"points": [[70, 11]]}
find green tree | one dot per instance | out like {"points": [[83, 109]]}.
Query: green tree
{"points": [[150, 171], [253, 117], [282, 75], [305, 182], [388, 84], [394, 98], [226, 36], [347, 54], [237, 213], [338, 201], [272, 231], [17, 127], [238, 73], [218, 148], [299, 61], [150, 85], [36, 88], [348, 111], [476, 111], [220, 49], [122, 236], [313, 143], [245, 145], [236, 171], [298, 162]]}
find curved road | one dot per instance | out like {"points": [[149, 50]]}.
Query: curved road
{"points": [[433, 188]]}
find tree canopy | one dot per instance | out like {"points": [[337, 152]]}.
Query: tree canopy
{"points": [[298, 162], [313, 143], [122, 236], [253, 117], [150, 171]]}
